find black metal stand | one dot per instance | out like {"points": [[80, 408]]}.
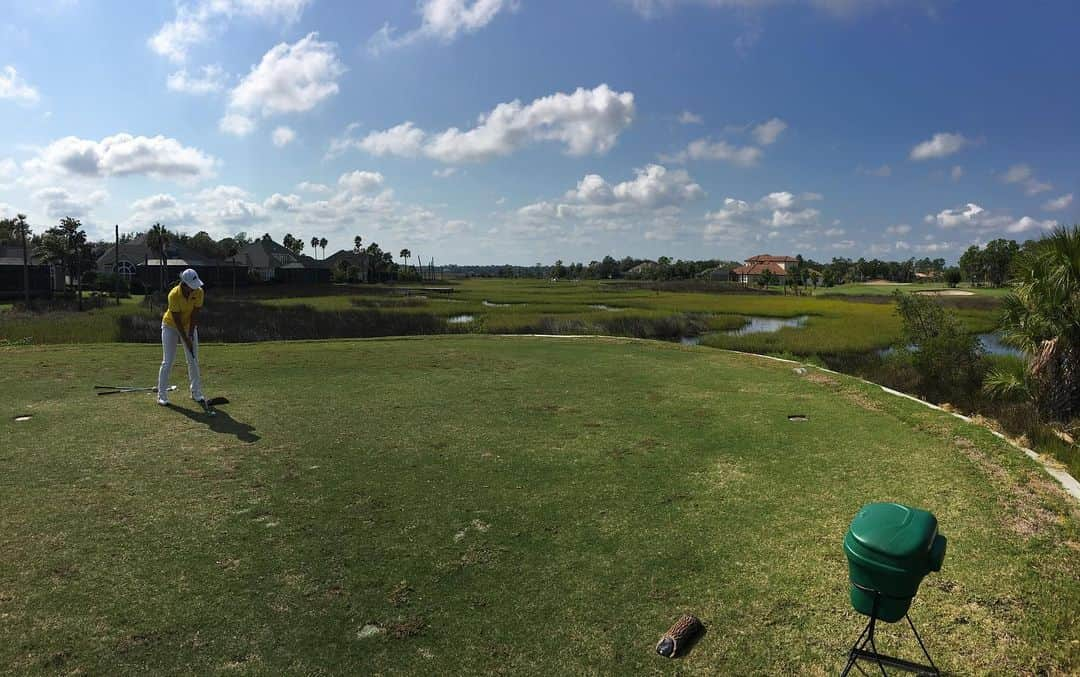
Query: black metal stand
{"points": [[858, 650]]}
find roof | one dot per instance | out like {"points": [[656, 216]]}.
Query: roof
{"points": [[260, 253], [139, 252], [769, 258], [759, 268], [11, 255]]}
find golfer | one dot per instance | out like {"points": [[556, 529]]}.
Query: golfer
{"points": [[179, 325]]}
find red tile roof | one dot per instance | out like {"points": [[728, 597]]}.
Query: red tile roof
{"points": [[768, 258], [759, 268]]}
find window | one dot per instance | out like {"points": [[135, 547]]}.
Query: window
{"points": [[125, 269]]}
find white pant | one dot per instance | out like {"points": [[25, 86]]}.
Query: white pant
{"points": [[169, 338]]}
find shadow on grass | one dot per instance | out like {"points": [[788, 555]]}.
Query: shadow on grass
{"points": [[688, 645], [222, 423]]}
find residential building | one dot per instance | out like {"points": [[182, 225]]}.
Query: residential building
{"points": [[44, 277], [136, 260], [269, 261], [755, 266]]}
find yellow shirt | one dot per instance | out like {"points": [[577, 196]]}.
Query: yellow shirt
{"points": [[182, 307]]}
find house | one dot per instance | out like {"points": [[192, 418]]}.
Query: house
{"points": [[44, 277], [136, 260], [269, 261], [717, 274], [640, 270], [351, 258], [751, 271]]}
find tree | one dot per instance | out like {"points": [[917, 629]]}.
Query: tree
{"points": [[158, 240], [405, 254], [322, 243], [953, 276], [241, 239], [971, 265], [358, 244], [66, 244], [766, 279], [1042, 317], [997, 259], [18, 230], [231, 251], [946, 356], [293, 244], [315, 245]]}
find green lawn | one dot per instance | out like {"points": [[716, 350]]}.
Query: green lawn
{"points": [[482, 505], [887, 289]]}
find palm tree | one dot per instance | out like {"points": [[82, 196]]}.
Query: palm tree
{"points": [[315, 245], [323, 243], [22, 229], [66, 244], [1042, 317], [357, 244], [405, 254], [158, 239]]}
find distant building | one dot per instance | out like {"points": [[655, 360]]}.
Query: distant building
{"points": [[269, 261], [717, 274], [641, 269], [751, 271], [136, 260], [360, 260], [44, 277]]}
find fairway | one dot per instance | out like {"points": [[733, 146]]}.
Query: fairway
{"points": [[480, 504]]}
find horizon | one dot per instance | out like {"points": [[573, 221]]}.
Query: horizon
{"points": [[503, 132]]}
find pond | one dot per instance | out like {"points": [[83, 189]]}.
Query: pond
{"points": [[492, 304], [460, 319], [991, 343], [765, 325]]}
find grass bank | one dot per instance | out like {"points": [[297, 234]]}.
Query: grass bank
{"points": [[467, 505]]}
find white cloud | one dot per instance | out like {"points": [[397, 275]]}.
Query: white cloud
{"points": [[707, 149], [124, 155], [229, 205], [14, 88], [309, 187], [197, 22], [898, 229], [283, 136], [154, 203], [650, 9], [213, 79], [653, 186], [289, 79], [740, 221], [768, 132], [1023, 174], [585, 121], [361, 182], [282, 203], [940, 145], [802, 217], [844, 244], [404, 140], [968, 215], [237, 125], [1059, 203], [834, 232], [444, 173], [1026, 223], [442, 20], [58, 202], [688, 118]]}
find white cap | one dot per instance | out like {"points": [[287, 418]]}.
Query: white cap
{"points": [[191, 278]]}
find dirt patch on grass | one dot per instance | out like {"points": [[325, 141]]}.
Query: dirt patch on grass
{"points": [[818, 377], [406, 627], [1023, 502]]}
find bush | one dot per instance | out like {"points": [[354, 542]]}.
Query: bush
{"points": [[946, 357], [953, 277]]}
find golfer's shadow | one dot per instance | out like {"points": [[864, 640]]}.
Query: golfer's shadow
{"points": [[222, 423]]}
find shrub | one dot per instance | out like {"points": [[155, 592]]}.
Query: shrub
{"points": [[946, 357]]}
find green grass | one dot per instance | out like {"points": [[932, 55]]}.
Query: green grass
{"points": [[887, 289], [517, 505]]}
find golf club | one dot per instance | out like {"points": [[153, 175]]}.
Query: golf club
{"points": [[130, 390]]}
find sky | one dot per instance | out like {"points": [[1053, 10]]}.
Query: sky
{"points": [[525, 131]]}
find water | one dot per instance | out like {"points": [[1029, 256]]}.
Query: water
{"points": [[991, 343], [767, 325], [491, 304], [993, 346], [690, 340], [460, 319], [600, 306]]}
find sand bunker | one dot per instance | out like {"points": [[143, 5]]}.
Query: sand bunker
{"points": [[947, 292]]}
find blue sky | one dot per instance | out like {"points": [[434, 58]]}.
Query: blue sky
{"points": [[502, 131]]}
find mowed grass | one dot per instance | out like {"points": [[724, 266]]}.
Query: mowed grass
{"points": [[476, 505], [887, 289]]}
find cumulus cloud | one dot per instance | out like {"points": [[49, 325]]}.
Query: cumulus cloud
{"points": [[212, 79], [443, 21], [974, 217], [768, 132], [1059, 203], [124, 155], [309, 187], [741, 221], [289, 79], [968, 215], [1022, 174], [154, 203], [282, 203], [14, 88], [444, 173], [688, 118], [707, 149], [653, 186], [283, 136], [58, 202], [940, 145], [237, 125], [1026, 223], [584, 121], [197, 22], [361, 182]]}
